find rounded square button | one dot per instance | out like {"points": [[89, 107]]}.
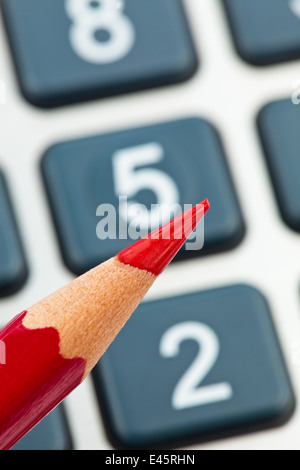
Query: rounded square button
{"points": [[265, 31], [192, 368], [13, 269], [278, 125], [180, 162], [74, 50]]}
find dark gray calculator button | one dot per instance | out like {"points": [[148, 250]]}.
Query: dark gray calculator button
{"points": [[193, 368], [75, 50], [279, 124], [180, 161], [265, 31], [13, 270]]}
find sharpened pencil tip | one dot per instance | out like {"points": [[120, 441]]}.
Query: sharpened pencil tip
{"points": [[155, 251], [206, 205]]}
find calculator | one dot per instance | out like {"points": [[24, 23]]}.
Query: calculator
{"points": [[161, 102]]}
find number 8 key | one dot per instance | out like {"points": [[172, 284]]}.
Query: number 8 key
{"points": [[67, 51]]}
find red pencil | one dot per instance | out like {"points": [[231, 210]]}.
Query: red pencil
{"points": [[52, 346]]}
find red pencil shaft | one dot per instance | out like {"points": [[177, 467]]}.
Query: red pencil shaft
{"points": [[34, 379]]}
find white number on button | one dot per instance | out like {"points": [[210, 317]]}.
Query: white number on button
{"points": [[129, 179], [187, 392], [90, 16]]}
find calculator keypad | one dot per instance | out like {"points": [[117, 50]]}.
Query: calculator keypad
{"points": [[188, 368]]}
